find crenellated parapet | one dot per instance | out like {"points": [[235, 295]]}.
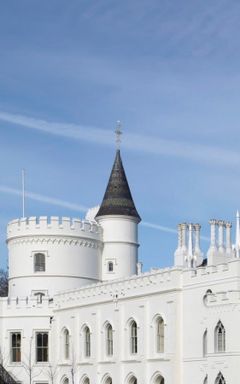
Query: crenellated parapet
{"points": [[54, 226], [27, 302], [223, 298], [161, 280]]}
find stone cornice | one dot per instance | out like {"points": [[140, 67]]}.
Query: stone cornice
{"points": [[63, 240]]}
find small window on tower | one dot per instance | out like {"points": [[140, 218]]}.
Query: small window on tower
{"points": [[39, 262], [110, 266]]}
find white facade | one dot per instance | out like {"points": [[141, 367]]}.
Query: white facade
{"points": [[78, 312]]}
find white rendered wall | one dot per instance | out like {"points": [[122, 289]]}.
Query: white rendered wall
{"points": [[72, 250], [27, 319], [178, 295], [120, 246], [201, 312], [141, 298]]}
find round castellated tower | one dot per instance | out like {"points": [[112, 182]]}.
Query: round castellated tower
{"points": [[46, 256], [119, 219]]}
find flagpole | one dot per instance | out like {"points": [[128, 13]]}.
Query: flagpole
{"points": [[23, 192]]}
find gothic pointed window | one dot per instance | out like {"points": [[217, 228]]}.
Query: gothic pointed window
{"points": [[159, 380], [133, 337], [206, 380], [87, 342], [109, 340], [220, 379], [86, 381], [205, 343], [66, 344], [160, 335], [220, 336], [133, 380]]}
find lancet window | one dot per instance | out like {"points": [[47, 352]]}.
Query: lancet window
{"points": [[160, 334], [220, 336], [133, 337]]}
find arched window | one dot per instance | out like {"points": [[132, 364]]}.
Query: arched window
{"points": [[109, 340], [160, 335], [110, 266], [86, 380], [205, 343], [132, 380], [108, 380], [159, 380], [206, 380], [66, 381], [133, 337], [39, 262], [220, 379], [219, 337], [87, 342], [66, 344]]}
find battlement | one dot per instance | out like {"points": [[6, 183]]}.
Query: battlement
{"points": [[164, 280], [222, 298], [27, 302], [53, 226]]}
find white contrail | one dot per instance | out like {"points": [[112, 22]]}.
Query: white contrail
{"points": [[143, 143], [77, 207], [158, 227], [44, 199], [166, 229]]}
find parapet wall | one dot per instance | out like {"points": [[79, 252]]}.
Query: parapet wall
{"points": [[162, 280], [53, 226]]}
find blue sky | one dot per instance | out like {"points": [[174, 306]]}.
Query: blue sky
{"points": [[169, 70]]}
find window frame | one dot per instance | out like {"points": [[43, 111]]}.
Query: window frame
{"points": [[220, 338], [16, 349], [42, 348], [110, 267], [39, 266], [66, 344], [160, 334], [133, 337], [220, 379], [109, 340], [87, 342]]}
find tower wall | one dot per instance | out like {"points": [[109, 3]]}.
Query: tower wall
{"points": [[72, 250], [120, 246]]}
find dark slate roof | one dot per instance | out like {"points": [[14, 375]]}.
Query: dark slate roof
{"points": [[117, 199]]}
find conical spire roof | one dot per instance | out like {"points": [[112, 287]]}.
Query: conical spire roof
{"points": [[117, 199]]}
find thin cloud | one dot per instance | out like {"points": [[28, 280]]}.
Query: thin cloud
{"points": [[158, 227], [166, 229], [76, 207], [150, 145], [44, 199]]}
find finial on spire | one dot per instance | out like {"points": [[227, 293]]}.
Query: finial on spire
{"points": [[118, 132]]}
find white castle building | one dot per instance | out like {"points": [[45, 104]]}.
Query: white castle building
{"points": [[80, 310]]}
